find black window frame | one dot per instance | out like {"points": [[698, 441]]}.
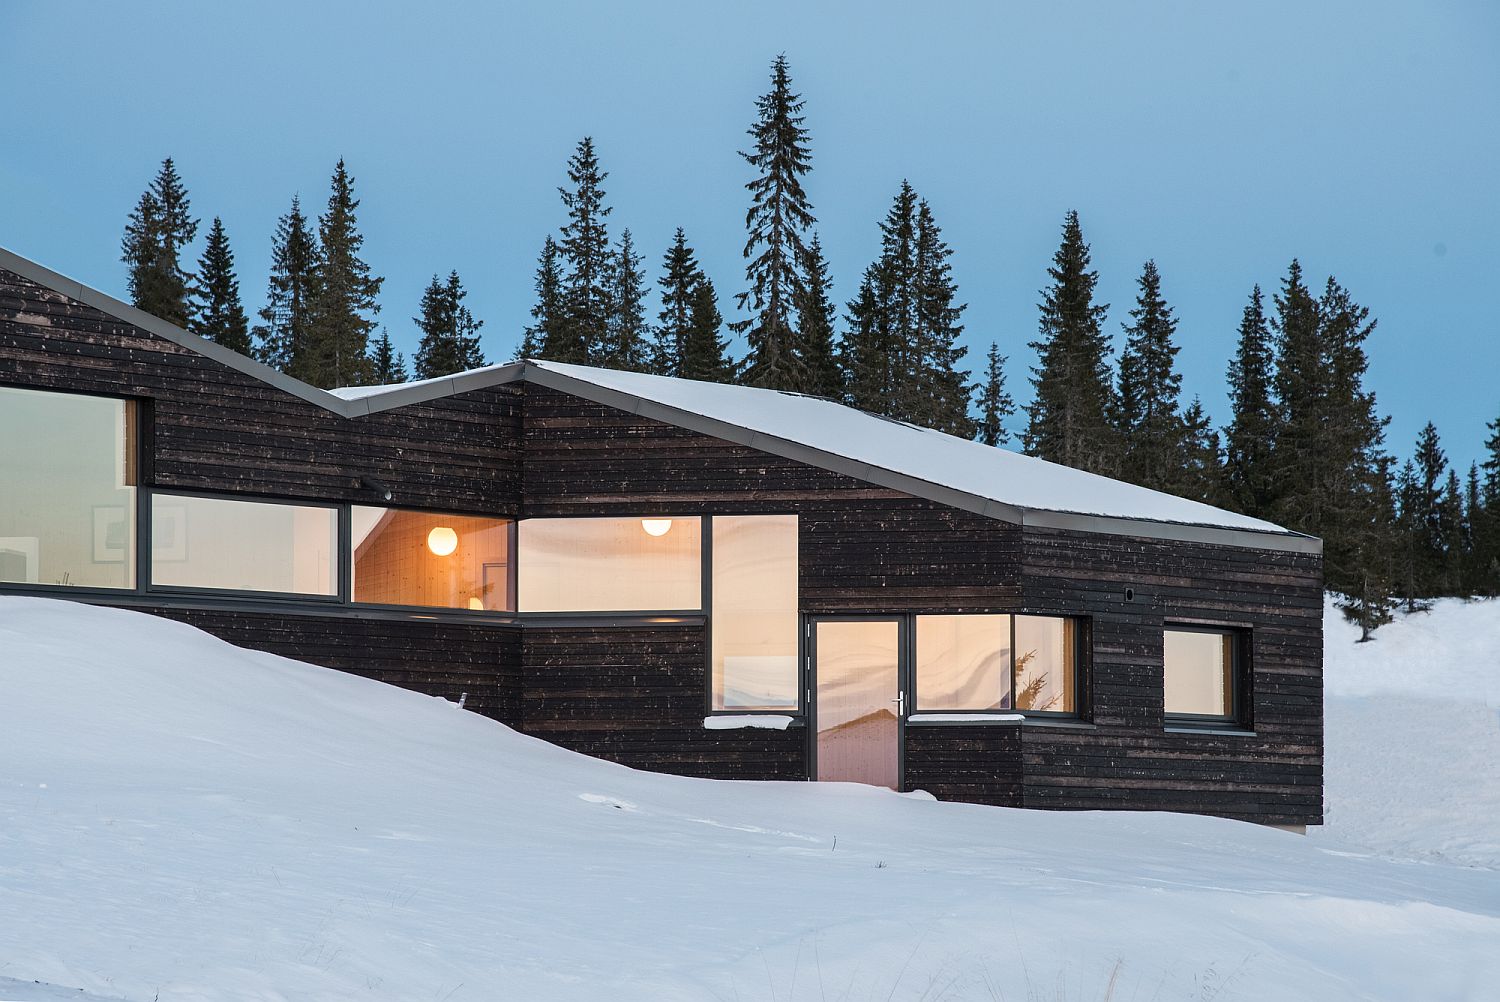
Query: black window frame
{"points": [[1239, 675], [1081, 664], [624, 616], [346, 564]]}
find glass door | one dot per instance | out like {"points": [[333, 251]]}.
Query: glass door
{"points": [[857, 700]]}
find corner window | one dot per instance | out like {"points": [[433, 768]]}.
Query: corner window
{"points": [[649, 564], [1199, 673], [421, 558], [228, 544], [980, 663], [753, 624], [67, 489]]}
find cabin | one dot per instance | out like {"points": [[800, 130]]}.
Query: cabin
{"points": [[693, 578]]}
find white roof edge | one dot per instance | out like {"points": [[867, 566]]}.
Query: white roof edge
{"points": [[363, 401]]}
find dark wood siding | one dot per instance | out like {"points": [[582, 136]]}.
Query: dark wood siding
{"points": [[215, 428]]}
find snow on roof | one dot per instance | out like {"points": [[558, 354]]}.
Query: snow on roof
{"points": [[944, 460]]}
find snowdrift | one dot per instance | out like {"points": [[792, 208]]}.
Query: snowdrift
{"points": [[181, 819]]}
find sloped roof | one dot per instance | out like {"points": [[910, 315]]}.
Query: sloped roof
{"points": [[925, 463]]}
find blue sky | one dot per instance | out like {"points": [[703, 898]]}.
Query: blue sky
{"points": [[1222, 140]]}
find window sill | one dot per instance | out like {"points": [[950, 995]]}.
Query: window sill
{"points": [[923, 719], [742, 721], [1228, 731]]}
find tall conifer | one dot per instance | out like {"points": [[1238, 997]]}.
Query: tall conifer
{"points": [[549, 311], [625, 346], [219, 315], [1201, 475], [1153, 432], [816, 314], [1249, 469], [284, 336], [587, 293], [940, 389], [679, 285], [779, 216], [995, 404], [450, 334], [1068, 420], [704, 352], [880, 351], [389, 364], [344, 301], [156, 235]]}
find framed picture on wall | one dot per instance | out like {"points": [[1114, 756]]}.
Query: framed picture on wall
{"points": [[111, 534], [168, 533], [18, 559]]}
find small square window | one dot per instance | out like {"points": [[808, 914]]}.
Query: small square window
{"points": [[1200, 673]]}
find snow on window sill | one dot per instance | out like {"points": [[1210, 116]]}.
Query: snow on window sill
{"points": [[735, 721], [1229, 732], [966, 718]]}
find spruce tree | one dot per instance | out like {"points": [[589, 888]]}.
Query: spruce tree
{"points": [[1368, 601], [450, 334], [995, 403], [1428, 516], [1249, 467], [344, 301], [1454, 528], [1473, 576], [549, 312], [779, 215], [822, 376], [1408, 531], [585, 249], [624, 346], [389, 364], [704, 352], [1201, 475], [880, 351], [156, 234], [944, 391], [284, 336], [1147, 411], [679, 285], [1068, 420], [220, 316]]}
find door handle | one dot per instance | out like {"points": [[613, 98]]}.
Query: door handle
{"points": [[900, 702]]}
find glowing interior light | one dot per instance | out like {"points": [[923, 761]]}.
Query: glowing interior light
{"points": [[442, 540], [656, 526], [476, 604]]}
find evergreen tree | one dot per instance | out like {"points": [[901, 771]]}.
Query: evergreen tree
{"points": [[704, 352], [344, 300], [879, 353], [587, 299], [389, 364], [284, 336], [549, 312], [1328, 452], [815, 312], [624, 346], [1202, 472], [679, 282], [779, 215], [1408, 532], [1152, 430], [157, 232], [1428, 516], [942, 389], [220, 316], [1069, 416], [450, 334], [1249, 468], [1368, 603], [995, 403], [1454, 529], [1473, 576]]}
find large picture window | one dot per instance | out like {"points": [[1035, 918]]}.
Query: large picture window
{"points": [[67, 489], [979, 663], [403, 557], [233, 545], [754, 615], [651, 564], [1199, 669]]}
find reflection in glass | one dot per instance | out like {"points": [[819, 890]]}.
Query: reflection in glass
{"points": [[609, 565], [1199, 673], [754, 618], [403, 557], [67, 489], [963, 663], [858, 682], [1045, 664], [243, 545]]}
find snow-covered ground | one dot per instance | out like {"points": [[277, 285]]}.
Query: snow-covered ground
{"points": [[180, 819]]}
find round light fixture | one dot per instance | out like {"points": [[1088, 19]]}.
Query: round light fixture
{"points": [[656, 526], [442, 540]]}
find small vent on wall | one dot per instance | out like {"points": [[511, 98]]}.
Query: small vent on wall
{"points": [[1130, 594]]}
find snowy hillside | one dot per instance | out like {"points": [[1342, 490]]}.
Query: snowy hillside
{"points": [[180, 819]]}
